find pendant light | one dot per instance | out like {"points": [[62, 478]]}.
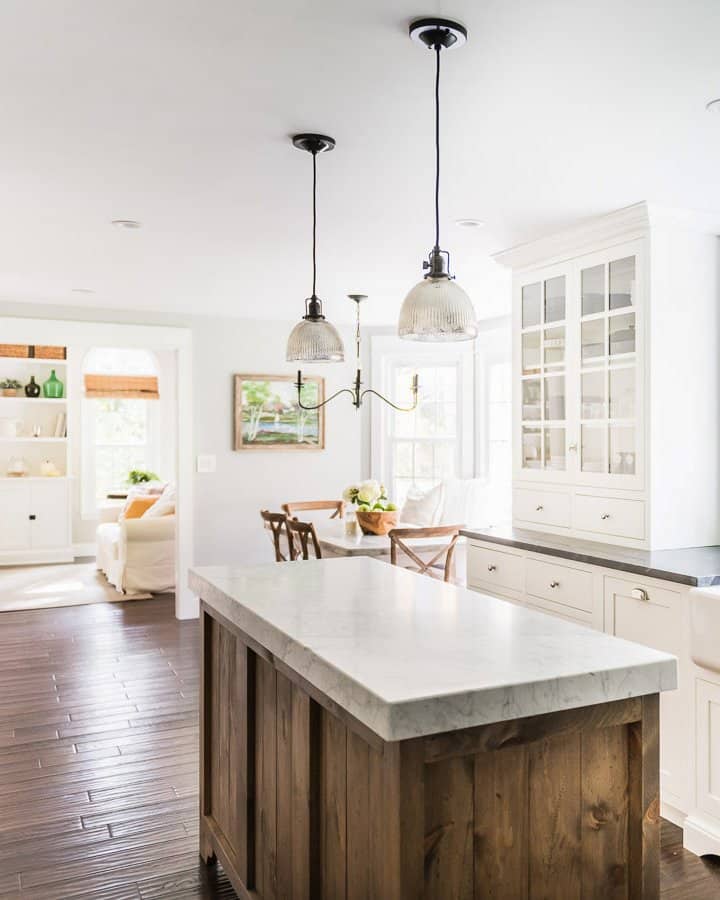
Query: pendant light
{"points": [[314, 339], [437, 308], [356, 391]]}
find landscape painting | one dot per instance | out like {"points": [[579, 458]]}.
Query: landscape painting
{"points": [[267, 414]]}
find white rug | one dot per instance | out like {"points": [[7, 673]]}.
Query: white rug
{"points": [[47, 587]]}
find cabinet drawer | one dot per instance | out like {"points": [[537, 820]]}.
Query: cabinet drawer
{"points": [[542, 507], [568, 587], [610, 515], [495, 568]]}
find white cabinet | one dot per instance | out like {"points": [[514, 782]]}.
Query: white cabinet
{"points": [[708, 747], [644, 612], [616, 379], [35, 520]]}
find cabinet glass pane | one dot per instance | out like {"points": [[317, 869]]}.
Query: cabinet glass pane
{"points": [[555, 299], [555, 398], [531, 302], [531, 353], [622, 334], [593, 396], [554, 346], [531, 399], [622, 282], [554, 448], [592, 285], [531, 448], [593, 339], [592, 453], [622, 450], [622, 393]]}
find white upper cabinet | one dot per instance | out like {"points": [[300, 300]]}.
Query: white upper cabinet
{"points": [[615, 334]]}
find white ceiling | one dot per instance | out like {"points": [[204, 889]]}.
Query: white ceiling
{"points": [[177, 113]]}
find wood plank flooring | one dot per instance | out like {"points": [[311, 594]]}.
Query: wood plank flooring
{"points": [[99, 756]]}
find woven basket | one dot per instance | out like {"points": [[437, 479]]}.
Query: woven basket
{"points": [[17, 351], [44, 352], [377, 522]]}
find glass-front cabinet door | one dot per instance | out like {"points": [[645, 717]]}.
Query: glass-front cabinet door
{"points": [[609, 433], [543, 375]]}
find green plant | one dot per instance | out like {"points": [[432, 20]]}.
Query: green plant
{"points": [[10, 384], [141, 476]]}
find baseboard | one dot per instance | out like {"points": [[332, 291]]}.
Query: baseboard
{"points": [[88, 549], [673, 814], [701, 835]]}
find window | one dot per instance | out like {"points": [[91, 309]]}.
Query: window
{"points": [[118, 432], [418, 450]]}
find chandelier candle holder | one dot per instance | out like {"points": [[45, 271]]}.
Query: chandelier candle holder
{"points": [[437, 308], [356, 391]]}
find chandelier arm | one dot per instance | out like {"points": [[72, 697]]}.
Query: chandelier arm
{"points": [[389, 402], [325, 402]]}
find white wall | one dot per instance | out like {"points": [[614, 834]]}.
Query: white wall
{"points": [[228, 501]]}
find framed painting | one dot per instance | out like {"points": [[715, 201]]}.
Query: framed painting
{"points": [[268, 417]]}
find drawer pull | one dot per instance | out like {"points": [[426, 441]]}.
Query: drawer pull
{"points": [[492, 567], [538, 509], [605, 516], [640, 594], [554, 584]]}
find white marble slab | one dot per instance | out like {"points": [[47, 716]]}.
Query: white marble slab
{"points": [[333, 539], [409, 656]]}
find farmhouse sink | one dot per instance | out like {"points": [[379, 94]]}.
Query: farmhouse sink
{"points": [[705, 627]]}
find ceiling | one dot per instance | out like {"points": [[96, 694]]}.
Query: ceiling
{"points": [[177, 113]]}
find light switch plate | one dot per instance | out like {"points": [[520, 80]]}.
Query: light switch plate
{"points": [[206, 462]]}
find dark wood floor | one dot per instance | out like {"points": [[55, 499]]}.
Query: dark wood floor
{"points": [[98, 761]]}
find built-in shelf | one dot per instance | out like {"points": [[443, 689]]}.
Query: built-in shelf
{"points": [[33, 400], [34, 477], [33, 360], [22, 439]]}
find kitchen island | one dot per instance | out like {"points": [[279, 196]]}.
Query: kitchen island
{"points": [[371, 733]]}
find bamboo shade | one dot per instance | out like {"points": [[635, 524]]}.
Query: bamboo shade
{"points": [[144, 387]]}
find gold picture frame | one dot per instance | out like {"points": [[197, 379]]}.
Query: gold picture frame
{"points": [[267, 415]]}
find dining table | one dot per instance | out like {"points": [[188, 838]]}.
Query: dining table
{"points": [[334, 541]]}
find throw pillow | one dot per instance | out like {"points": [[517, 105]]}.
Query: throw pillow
{"points": [[423, 508], [137, 507], [164, 505]]}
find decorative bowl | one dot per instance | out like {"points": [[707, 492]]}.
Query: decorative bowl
{"points": [[376, 521]]}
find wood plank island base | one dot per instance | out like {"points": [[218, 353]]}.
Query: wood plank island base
{"points": [[497, 752]]}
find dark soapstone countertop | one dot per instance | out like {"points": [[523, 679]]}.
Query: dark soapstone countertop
{"points": [[696, 566]]}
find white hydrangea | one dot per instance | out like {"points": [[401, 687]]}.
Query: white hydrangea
{"points": [[369, 492]]}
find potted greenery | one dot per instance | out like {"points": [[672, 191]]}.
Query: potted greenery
{"points": [[141, 476], [10, 387], [375, 514]]}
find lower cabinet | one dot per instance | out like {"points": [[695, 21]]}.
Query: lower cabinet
{"points": [[35, 522], [707, 698]]}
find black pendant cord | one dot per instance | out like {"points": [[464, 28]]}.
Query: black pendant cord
{"points": [[314, 239], [437, 146]]}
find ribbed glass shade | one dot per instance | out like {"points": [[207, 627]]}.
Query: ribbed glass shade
{"points": [[316, 341], [437, 309]]}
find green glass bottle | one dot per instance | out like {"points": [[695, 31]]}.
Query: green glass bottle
{"points": [[53, 387]]}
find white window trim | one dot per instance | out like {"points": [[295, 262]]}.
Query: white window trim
{"points": [[388, 352]]}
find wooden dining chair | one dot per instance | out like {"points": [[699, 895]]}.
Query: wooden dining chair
{"points": [[433, 567], [338, 507], [276, 525], [302, 535]]}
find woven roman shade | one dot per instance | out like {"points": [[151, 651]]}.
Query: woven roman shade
{"points": [[143, 387]]}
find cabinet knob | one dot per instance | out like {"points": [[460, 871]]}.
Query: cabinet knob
{"points": [[554, 584], [491, 567], [32, 518], [573, 448], [640, 594], [605, 516], [538, 509]]}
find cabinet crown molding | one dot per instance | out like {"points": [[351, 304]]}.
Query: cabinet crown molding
{"points": [[603, 231]]}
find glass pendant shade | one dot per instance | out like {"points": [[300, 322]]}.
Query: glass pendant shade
{"points": [[437, 309], [315, 341]]}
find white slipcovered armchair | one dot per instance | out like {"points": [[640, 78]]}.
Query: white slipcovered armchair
{"points": [[137, 555]]}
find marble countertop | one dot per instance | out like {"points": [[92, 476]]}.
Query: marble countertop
{"points": [[408, 655], [696, 566], [332, 536]]}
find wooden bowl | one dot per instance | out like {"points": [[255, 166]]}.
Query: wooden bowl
{"points": [[376, 522]]}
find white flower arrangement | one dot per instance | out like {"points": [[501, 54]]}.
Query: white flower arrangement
{"points": [[368, 495]]}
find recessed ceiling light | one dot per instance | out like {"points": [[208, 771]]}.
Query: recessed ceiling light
{"points": [[470, 223], [713, 105], [127, 224], [83, 291]]}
